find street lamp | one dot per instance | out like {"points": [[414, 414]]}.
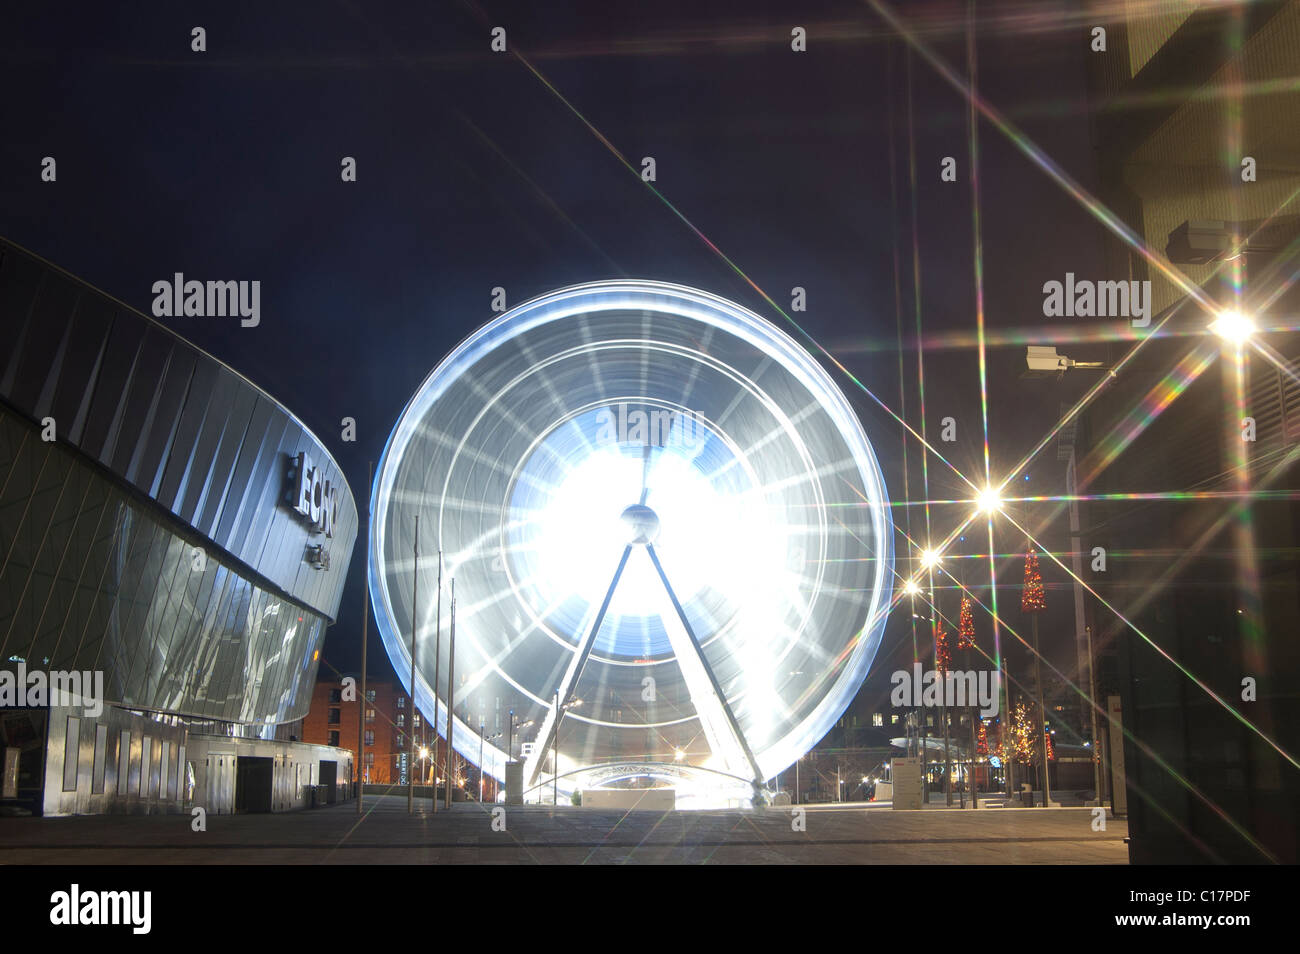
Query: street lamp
{"points": [[1233, 326], [989, 500], [1043, 360]]}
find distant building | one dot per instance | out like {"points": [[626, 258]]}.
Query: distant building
{"points": [[383, 746]]}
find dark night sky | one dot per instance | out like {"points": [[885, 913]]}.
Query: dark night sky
{"points": [[473, 174]]}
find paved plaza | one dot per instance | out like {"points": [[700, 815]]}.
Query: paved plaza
{"points": [[832, 834]]}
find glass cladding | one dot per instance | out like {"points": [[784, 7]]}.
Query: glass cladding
{"points": [[91, 579]]}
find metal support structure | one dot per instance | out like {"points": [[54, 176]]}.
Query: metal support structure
{"points": [[1099, 774], [713, 680], [551, 725], [1042, 718], [549, 735], [1083, 632], [1004, 736]]}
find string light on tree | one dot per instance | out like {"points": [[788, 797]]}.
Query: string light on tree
{"points": [[1022, 736], [966, 625], [942, 655], [1033, 599]]}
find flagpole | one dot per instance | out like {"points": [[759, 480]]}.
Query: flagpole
{"points": [[437, 665], [451, 694], [415, 626], [365, 638]]}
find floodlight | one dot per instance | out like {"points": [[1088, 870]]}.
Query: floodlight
{"points": [[989, 500], [1233, 326]]}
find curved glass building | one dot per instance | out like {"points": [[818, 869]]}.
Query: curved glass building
{"points": [[169, 529]]}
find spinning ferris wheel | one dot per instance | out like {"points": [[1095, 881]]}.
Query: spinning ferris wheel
{"points": [[669, 537]]}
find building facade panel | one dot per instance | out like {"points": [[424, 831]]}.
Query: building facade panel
{"points": [[153, 539], [135, 397]]}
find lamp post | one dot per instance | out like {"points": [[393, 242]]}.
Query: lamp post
{"points": [[437, 665], [1033, 602], [365, 639], [451, 695], [415, 625]]}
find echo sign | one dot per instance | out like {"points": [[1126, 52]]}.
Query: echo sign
{"points": [[316, 499]]}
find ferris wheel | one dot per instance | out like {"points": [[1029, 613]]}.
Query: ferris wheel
{"points": [[669, 538]]}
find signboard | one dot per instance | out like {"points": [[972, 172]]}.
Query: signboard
{"points": [[312, 495], [906, 777]]}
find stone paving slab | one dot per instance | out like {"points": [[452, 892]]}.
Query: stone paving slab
{"points": [[542, 835]]}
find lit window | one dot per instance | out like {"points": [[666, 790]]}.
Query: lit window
{"points": [[401, 720], [401, 702], [877, 720]]}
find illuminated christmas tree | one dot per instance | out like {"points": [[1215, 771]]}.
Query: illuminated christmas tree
{"points": [[982, 740], [966, 625], [1022, 736], [942, 655], [1032, 599]]}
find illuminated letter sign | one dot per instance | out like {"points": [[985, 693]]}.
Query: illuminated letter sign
{"points": [[315, 498]]}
